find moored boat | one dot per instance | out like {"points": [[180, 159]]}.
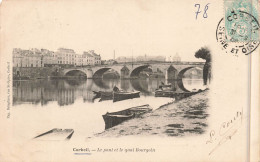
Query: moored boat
{"points": [[115, 118], [165, 86], [119, 96], [106, 96], [103, 95], [56, 134], [164, 93], [97, 95]]}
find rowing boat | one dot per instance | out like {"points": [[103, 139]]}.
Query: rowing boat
{"points": [[119, 96], [164, 93], [165, 86], [103, 95], [116, 96], [115, 118], [56, 134]]}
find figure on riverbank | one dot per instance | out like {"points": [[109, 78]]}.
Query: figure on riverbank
{"points": [[205, 54]]}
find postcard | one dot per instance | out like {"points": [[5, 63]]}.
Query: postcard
{"points": [[130, 80]]}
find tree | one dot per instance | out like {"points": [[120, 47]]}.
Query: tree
{"points": [[204, 53]]}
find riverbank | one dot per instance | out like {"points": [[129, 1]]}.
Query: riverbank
{"points": [[184, 117]]}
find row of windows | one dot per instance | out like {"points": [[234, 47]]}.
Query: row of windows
{"points": [[63, 61], [26, 61], [37, 65]]}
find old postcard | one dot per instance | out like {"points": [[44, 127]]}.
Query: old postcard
{"points": [[130, 80]]}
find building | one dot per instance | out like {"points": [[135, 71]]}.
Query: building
{"points": [[27, 58], [150, 58], [109, 62], [96, 57], [65, 57], [89, 59], [78, 61], [123, 59], [17, 57], [34, 60], [49, 58], [176, 58], [45, 58]]}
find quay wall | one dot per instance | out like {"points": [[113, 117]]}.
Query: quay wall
{"points": [[35, 72]]}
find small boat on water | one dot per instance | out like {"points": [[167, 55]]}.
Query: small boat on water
{"points": [[115, 96], [119, 96], [103, 95], [56, 134], [164, 93], [165, 86], [114, 118], [106, 96]]}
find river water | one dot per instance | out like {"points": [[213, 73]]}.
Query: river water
{"points": [[41, 105]]}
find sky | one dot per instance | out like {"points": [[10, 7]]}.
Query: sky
{"points": [[129, 27]]}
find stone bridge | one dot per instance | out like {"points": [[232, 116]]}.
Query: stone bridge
{"points": [[171, 70]]}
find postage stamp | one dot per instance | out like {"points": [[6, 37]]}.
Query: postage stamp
{"points": [[234, 48], [241, 20]]}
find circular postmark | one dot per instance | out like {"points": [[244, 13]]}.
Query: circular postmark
{"points": [[241, 27], [235, 48]]}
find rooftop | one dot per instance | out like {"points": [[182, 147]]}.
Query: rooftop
{"points": [[66, 50]]}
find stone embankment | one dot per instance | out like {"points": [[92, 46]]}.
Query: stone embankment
{"points": [[34, 72]]}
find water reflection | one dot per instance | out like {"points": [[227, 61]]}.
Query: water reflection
{"points": [[65, 92]]}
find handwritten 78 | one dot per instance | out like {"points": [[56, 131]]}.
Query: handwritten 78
{"points": [[205, 15]]}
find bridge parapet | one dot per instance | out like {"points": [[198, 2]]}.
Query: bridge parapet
{"points": [[150, 62]]}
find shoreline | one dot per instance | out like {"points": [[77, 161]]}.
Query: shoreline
{"points": [[187, 116]]}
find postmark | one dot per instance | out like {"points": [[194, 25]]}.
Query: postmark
{"points": [[241, 21], [234, 48]]}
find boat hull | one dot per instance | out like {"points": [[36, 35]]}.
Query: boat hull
{"points": [[119, 96], [161, 93], [165, 86], [111, 121], [106, 96], [114, 118], [56, 134]]}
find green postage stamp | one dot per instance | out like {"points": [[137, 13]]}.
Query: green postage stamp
{"points": [[241, 20]]}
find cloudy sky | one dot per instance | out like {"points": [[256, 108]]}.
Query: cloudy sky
{"points": [[155, 28]]}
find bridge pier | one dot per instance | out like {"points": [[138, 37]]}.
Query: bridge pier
{"points": [[171, 75], [89, 73]]}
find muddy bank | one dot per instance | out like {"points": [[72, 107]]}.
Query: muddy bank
{"points": [[185, 117]]}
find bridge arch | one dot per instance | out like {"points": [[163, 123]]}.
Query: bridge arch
{"points": [[136, 71], [180, 77], [99, 73], [76, 72]]}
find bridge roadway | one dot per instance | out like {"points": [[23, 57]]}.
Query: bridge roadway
{"points": [[171, 70]]}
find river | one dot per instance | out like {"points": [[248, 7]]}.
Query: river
{"points": [[41, 105]]}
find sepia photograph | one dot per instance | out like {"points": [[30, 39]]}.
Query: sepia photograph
{"points": [[129, 80]]}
